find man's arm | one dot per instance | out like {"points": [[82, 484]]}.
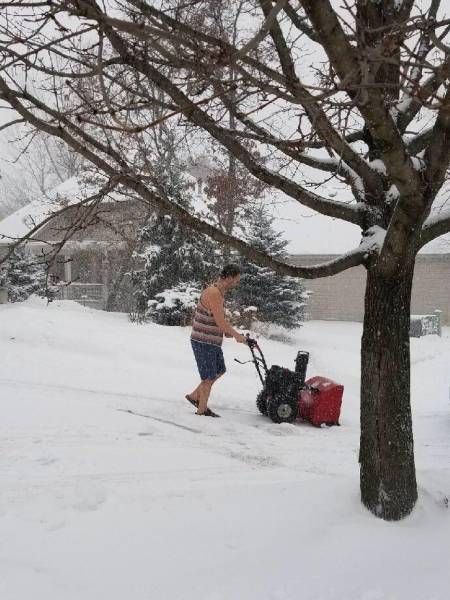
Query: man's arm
{"points": [[215, 304]]}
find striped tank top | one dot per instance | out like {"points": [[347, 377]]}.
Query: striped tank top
{"points": [[204, 326]]}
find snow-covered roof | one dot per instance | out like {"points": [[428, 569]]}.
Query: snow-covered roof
{"points": [[20, 222], [70, 192]]}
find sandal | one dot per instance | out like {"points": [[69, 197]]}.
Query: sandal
{"points": [[208, 413], [191, 400]]}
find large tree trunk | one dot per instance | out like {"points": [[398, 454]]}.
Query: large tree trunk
{"points": [[388, 480]]}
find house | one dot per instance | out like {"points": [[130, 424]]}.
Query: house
{"points": [[96, 260], [98, 257], [341, 297]]}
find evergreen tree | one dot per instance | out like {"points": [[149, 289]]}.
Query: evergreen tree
{"points": [[263, 294], [171, 257], [175, 261], [23, 276]]}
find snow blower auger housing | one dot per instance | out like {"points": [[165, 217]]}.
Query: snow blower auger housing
{"points": [[287, 395]]}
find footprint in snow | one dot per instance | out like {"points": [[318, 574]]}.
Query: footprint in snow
{"points": [[54, 524], [46, 460], [256, 460], [88, 497]]}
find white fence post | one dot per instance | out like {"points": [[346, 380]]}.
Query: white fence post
{"points": [[67, 268]]}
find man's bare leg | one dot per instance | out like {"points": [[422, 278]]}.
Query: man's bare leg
{"points": [[195, 395], [205, 391], [203, 396]]}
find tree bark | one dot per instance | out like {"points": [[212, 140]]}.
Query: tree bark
{"points": [[388, 480]]}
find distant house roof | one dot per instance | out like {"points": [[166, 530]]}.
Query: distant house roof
{"points": [[69, 193], [20, 222]]}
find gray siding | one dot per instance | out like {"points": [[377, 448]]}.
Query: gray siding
{"points": [[3, 291], [341, 297], [431, 286]]}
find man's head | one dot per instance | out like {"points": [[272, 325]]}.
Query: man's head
{"points": [[230, 276]]}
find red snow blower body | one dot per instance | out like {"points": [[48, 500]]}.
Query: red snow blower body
{"points": [[287, 395], [320, 401]]}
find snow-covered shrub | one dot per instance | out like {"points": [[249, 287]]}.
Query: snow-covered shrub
{"points": [[175, 306]]}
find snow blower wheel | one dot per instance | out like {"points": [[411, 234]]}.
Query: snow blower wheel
{"points": [[283, 410], [261, 402]]}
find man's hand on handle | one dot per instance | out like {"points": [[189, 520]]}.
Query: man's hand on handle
{"points": [[251, 342], [241, 339]]}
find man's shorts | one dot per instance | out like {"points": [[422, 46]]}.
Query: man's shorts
{"points": [[210, 361]]}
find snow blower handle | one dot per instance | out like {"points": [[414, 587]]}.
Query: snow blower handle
{"points": [[258, 361], [251, 342]]}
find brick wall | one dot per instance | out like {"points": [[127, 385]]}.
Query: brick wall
{"points": [[341, 297]]}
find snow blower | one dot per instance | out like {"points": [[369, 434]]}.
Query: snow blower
{"points": [[287, 395]]}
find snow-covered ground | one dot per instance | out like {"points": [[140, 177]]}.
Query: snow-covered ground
{"points": [[97, 503]]}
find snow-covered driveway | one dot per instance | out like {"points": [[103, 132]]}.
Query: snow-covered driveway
{"points": [[99, 503]]}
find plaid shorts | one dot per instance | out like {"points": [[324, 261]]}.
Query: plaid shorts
{"points": [[209, 358]]}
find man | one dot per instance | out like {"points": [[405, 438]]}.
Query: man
{"points": [[208, 328]]}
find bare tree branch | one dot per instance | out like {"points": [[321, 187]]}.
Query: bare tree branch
{"points": [[378, 120], [300, 23], [200, 118], [148, 42], [264, 29], [437, 154], [130, 180], [11, 123], [420, 142], [316, 115]]}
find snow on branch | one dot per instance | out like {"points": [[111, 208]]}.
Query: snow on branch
{"points": [[435, 226], [373, 240], [418, 142], [353, 258]]}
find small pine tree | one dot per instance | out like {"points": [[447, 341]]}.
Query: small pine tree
{"points": [[263, 295], [23, 276], [170, 254]]}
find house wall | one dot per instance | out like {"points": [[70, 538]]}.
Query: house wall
{"points": [[100, 242], [341, 297], [431, 285], [3, 291], [109, 222], [97, 251]]}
